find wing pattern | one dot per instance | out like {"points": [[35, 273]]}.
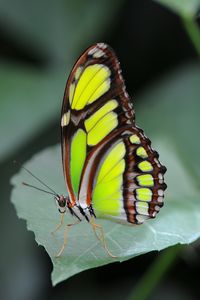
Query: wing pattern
{"points": [[108, 162], [126, 180], [95, 104]]}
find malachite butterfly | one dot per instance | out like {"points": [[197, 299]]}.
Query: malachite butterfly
{"points": [[110, 169]]}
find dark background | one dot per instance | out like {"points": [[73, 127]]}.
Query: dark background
{"points": [[150, 40]]}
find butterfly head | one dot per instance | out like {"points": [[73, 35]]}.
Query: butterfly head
{"points": [[62, 203]]}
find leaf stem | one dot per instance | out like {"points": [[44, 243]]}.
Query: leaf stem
{"points": [[155, 273], [192, 28]]}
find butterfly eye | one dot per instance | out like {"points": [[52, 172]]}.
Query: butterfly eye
{"points": [[61, 201]]}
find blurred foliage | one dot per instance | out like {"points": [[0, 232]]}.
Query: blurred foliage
{"points": [[173, 102], [54, 29], [187, 10], [184, 8], [37, 96], [52, 34], [55, 32]]}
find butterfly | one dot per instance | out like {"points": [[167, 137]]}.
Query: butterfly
{"points": [[110, 169]]}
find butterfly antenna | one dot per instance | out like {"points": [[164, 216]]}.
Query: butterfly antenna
{"points": [[38, 179], [37, 188]]}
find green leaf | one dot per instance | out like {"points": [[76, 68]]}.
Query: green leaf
{"points": [[184, 8], [178, 222]]}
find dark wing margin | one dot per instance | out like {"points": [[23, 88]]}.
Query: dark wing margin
{"points": [[108, 97]]}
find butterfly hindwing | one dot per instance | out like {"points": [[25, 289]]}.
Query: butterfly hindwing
{"points": [[125, 182]]}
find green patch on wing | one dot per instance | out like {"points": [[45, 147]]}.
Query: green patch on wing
{"points": [[77, 157], [107, 194]]}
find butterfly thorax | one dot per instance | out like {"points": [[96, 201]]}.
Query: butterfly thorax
{"points": [[64, 204]]}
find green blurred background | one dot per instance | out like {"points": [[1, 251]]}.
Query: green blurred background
{"points": [[40, 40]]}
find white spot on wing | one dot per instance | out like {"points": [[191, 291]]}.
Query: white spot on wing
{"points": [[102, 45], [157, 162], [157, 208], [78, 73], [65, 119], [96, 52], [160, 199], [141, 218]]}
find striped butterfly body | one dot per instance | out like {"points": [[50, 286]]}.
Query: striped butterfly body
{"points": [[109, 166]]}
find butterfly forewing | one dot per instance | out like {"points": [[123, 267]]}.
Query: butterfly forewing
{"points": [[95, 104], [108, 162]]}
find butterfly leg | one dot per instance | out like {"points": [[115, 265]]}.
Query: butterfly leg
{"points": [[66, 230], [101, 237], [59, 224]]}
